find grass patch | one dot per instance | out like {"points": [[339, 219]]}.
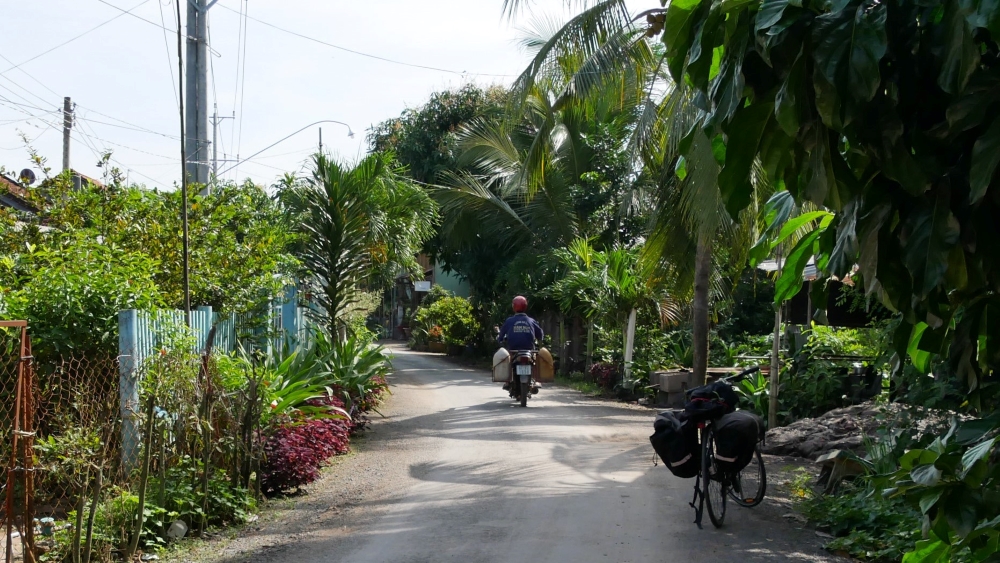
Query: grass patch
{"points": [[580, 382]]}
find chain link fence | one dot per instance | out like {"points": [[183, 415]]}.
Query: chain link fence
{"points": [[81, 445], [17, 393], [60, 442]]}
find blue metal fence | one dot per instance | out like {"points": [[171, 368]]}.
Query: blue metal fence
{"points": [[142, 334]]}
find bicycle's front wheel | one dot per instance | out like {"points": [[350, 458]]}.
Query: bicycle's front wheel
{"points": [[750, 484], [714, 485]]}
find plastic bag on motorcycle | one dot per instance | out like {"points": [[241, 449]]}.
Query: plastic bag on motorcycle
{"points": [[736, 437], [711, 401], [676, 442]]}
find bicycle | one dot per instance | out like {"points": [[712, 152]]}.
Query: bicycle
{"points": [[714, 484]]}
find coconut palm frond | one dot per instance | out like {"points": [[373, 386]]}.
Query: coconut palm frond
{"points": [[581, 35]]}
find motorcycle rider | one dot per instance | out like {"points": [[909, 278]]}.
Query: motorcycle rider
{"points": [[520, 330]]}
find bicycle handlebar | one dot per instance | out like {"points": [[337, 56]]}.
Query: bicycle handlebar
{"points": [[741, 375]]}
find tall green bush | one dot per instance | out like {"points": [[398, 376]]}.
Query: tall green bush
{"points": [[71, 291], [455, 317]]}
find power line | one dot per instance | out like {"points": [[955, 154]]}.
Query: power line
{"points": [[68, 41], [362, 54], [129, 127], [243, 84], [126, 12], [236, 87], [166, 43]]}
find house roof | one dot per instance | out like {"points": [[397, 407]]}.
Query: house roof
{"points": [[90, 180], [13, 195]]}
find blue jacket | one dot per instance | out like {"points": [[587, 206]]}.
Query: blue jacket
{"points": [[521, 331]]}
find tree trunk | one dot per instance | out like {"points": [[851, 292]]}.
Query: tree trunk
{"points": [[702, 274]]}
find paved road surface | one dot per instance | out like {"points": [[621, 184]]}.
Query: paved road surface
{"points": [[457, 472]]}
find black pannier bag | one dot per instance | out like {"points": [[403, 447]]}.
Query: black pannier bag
{"points": [[736, 437], [711, 401], [676, 442]]}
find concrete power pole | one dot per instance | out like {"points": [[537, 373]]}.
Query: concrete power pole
{"points": [[216, 120], [196, 94], [67, 127]]}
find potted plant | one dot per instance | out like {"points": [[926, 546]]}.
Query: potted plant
{"points": [[435, 340]]}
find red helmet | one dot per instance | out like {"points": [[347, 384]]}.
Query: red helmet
{"points": [[520, 304]]}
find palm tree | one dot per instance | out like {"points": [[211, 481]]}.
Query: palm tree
{"points": [[690, 219], [359, 226], [607, 285]]}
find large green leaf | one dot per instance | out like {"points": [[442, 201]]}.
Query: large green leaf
{"points": [[849, 46], [791, 97], [790, 282], [679, 22], [960, 511], [970, 109], [983, 13], [868, 227], [793, 225], [818, 176], [932, 232], [770, 13], [926, 475], [961, 51], [845, 253], [976, 453], [744, 133], [726, 90], [929, 551], [985, 158], [921, 358]]}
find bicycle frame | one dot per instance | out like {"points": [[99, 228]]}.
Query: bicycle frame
{"points": [[699, 495]]}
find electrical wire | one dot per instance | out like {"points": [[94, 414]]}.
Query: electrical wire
{"points": [[243, 85], [72, 39], [170, 62], [125, 12], [236, 87], [363, 54], [129, 127], [211, 64]]}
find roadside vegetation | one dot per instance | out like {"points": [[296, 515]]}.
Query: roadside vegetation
{"points": [[659, 188]]}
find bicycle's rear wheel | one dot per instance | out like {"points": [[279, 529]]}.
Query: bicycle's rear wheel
{"points": [[714, 486], [750, 484]]}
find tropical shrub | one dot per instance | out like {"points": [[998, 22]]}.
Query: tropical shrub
{"points": [[454, 316], [72, 290], [813, 383]]}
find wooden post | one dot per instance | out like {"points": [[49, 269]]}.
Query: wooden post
{"points": [[772, 407], [629, 343], [590, 346], [563, 350]]}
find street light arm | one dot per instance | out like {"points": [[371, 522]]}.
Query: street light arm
{"points": [[350, 133]]}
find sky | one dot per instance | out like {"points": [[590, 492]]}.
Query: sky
{"points": [[122, 76]]}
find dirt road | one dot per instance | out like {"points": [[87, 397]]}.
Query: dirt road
{"points": [[457, 472]]}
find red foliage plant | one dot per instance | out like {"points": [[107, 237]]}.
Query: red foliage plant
{"points": [[294, 451], [604, 374]]}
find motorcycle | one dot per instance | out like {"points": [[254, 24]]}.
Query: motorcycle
{"points": [[517, 369]]}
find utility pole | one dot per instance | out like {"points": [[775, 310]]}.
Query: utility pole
{"points": [[216, 120], [67, 127], [196, 94]]}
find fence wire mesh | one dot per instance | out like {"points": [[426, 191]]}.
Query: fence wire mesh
{"points": [[69, 432], [190, 437], [16, 396]]}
